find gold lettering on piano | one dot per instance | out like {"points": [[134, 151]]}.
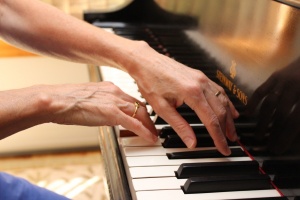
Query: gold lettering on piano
{"points": [[232, 87], [233, 69], [225, 80]]}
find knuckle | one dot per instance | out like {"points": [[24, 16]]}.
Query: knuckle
{"points": [[137, 125], [222, 113], [213, 122], [180, 128], [221, 90], [221, 140], [224, 101], [192, 88]]}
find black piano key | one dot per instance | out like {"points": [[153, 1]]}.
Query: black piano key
{"points": [[235, 152], [281, 166], [174, 141], [167, 130], [290, 181], [184, 109], [265, 198], [207, 184], [187, 170], [191, 118]]}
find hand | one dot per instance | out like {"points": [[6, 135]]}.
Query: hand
{"points": [[167, 84], [90, 104], [97, 104], [278, 98]]}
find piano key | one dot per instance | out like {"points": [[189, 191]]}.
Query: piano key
{"points": [[167, 130], [179, 195], [281, 166], [190, 117], [153, 171], [290, 192], [137, 142], [205, 153], [164, 161], [206, 184], [287, 180], [160, 151], [203, 140], [159, 171], [186, 170], [163, 183], [266, 198]]}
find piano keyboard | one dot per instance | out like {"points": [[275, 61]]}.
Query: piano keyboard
{"points": [[151, 174]]}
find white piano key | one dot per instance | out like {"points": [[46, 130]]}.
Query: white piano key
{"points": [[164, 161], [110, 30], [165, 183], [159, 150], [179, 195], [137, 142], [152, 172]]}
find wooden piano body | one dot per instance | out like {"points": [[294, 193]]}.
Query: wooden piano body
{"points": [[250, 47]]}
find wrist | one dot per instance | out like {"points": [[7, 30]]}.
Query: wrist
{"points": [[136, 58]]}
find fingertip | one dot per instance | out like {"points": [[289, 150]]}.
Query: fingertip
{"points": [[190, 142], [236, 114], [226, 151], [155, 138], [223, 147], [232, 136]]}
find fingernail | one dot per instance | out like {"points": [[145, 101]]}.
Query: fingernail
{"points": [[189, 142]]}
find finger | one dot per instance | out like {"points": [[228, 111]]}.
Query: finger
{"points": [[143, 116], [181, 127], [234, 113], [138, 114], [215, 101], [210, 120], [231, 113], [220, 105], [230, 126]]}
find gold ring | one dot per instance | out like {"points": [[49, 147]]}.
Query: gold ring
{"points": [[137, 105], [217, 93]]}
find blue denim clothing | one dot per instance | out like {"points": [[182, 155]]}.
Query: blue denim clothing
{"points": [[14, 188]]}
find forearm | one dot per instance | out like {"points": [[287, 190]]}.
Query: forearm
{"points": [[89, 104], [23, 108], [45, 30]]}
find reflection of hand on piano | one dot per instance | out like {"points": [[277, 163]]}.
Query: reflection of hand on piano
{"points": [[280, 110], [165, 91]]}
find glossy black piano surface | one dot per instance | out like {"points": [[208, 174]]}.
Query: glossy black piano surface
{"points": [[250, 47]]}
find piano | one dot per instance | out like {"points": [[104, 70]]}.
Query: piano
{"points": [[249, 47]]}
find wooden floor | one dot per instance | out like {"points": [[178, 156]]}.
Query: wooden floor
{"points": [[7, 50]]}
